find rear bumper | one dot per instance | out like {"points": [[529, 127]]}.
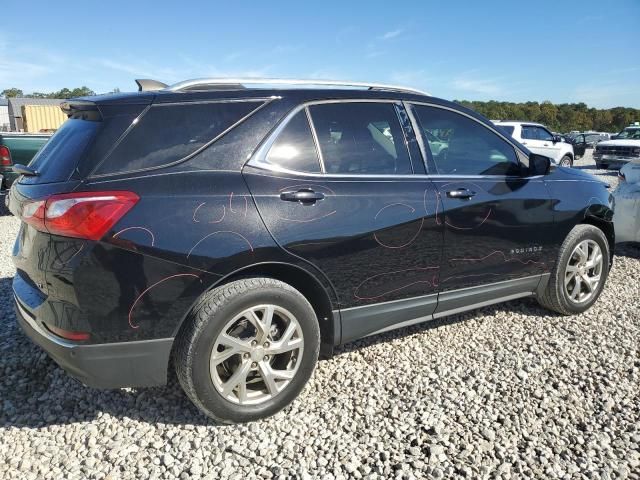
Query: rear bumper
{"points": [[109, 365]]}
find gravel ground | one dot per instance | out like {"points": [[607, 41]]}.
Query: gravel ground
{"points": [[506, 391]]}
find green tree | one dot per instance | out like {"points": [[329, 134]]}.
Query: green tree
{"points": [[11, 92]]}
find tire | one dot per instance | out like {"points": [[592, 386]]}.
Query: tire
{"points": [[556, 296], [566, 161], [218, 309]]}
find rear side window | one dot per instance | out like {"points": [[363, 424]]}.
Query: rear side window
{"points": [[168, 133], [294, 149], [59, 156], [361, 138]]}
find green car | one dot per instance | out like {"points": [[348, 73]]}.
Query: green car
{"points": [[17, 148]]}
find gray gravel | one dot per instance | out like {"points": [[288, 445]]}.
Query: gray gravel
{"points": [[506, 391]]}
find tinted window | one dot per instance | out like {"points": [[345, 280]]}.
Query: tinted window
{"points": [[57, 159], [361, 138], [294, 148], [471, 148], [168, 133]]}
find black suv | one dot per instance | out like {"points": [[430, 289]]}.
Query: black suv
{"points": [[240, 232]]}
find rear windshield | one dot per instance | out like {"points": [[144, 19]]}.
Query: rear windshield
{"points": [[58, 157], [169, 133]]}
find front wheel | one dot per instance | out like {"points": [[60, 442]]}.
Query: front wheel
{"points": [[566, 161], [580, 272], [248, 349]]}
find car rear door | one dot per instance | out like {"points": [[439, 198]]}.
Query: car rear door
{"points": [[339, 185], [496, 220]]}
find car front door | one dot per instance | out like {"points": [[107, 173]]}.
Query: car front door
{"points": [[496, 219], [579, 145], [339, 185]]}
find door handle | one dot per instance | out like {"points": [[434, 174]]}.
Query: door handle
{"points": [[302, 196], [461, 193], [524, 143]]}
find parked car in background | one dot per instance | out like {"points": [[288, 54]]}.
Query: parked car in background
{"points": [[627, 132], [236, 228], [18, 148], [582, 141], [539, 139], [618, 151], [627, 203]]}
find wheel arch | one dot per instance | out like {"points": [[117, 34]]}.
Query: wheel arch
{"points": [[606, 227], [321, 297]]}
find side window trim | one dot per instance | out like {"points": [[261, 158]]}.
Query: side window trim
{"points": [[258, 158], [426, 152], [316, 142]]}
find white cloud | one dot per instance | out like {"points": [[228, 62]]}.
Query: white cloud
{"points": [[391, 34]]}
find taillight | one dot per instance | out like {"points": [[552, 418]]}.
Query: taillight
{"points": [[86, 215], [5, 156]]}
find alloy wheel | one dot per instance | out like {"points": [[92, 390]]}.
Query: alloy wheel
{"points": [[583, 271], [256, 355]]}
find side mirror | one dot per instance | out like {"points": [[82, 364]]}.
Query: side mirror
{"points": [[557, 138], [539, 165]]}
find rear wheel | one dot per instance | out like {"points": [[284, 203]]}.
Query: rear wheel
{"points": [[580, 272], [248, 349], [566, 161]]}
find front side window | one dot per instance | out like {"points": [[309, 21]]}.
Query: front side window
{"points": [[472, 149], [360, 138], [529, 133], [543, 134], [294, 149]]}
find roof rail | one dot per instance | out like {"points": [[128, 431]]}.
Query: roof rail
{"points": [[239, 83]]}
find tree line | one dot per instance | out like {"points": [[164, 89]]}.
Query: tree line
{"points": [[64, 93], [563, 117]]}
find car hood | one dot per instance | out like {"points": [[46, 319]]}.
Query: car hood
{"points": [[619, 143]]}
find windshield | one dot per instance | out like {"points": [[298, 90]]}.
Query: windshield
{"points": [[630, 133]]}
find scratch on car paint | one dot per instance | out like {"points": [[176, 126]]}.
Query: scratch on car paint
{"points": [[307, 220], [427, 282], [153, 238], [196, 211], [504, 256], [470, 228], [453, 277], [375, 234], [217, 233], [153, 286]]}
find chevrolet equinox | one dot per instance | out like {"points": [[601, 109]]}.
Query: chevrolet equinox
{"points": [[238, 229]]}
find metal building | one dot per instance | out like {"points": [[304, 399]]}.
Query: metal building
{"points": [[4, 115], [15, 109]]}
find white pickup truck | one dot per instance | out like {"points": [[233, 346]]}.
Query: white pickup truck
{"points": [[538, 139], [622, 149]]}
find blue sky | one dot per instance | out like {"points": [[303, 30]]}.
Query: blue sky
{"points": [[563, 51]]}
